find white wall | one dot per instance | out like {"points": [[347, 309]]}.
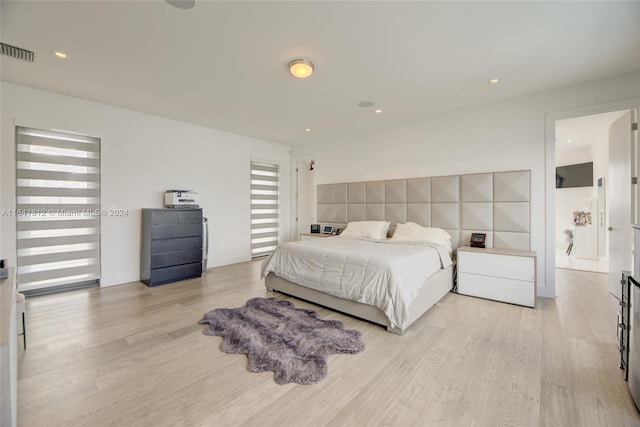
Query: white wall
{"points": [[572, 157], [509, 135], [142, 156], [600, 156], [569, 200], [2, 254]]}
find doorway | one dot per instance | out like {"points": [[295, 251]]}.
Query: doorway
{"points": [[305, 196], [548, 287], [582, 169]]}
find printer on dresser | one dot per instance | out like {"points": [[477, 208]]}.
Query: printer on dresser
{"points": [[171, 245]]}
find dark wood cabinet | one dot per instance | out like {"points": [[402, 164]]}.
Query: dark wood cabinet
{"points": [[171, 245]]}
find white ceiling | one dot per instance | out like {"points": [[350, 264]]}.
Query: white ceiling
{"points": [[223, 64], [584, 131]]}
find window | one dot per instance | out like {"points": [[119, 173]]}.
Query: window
{"points": [[57, 210], [265, 208]]}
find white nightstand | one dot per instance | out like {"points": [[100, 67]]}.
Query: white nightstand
{"points": [[505, 275], [307, 236]]}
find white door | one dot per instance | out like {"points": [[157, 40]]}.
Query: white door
{"points": [[621, 200], [306, 196]]}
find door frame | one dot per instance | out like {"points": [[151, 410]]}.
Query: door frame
{"points": [[549, 290], [603, 211], [304, 198]]}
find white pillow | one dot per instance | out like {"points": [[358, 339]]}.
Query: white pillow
{"points": [[412, 232], [367, 229]]}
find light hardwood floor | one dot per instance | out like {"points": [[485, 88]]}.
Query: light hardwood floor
{"points": [[133, 355]]}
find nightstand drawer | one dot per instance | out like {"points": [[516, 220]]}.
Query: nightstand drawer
{"points": [[497, 289], [504, 266], [505, 275]]}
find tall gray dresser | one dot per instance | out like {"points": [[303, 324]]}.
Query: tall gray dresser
{"points": [[171, 245]]}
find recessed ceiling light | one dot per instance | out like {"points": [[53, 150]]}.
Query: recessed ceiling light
{"points": [[59, 54], [569, 141], [378, 111], [365, 104], [301, 68], [182, 4], [307, 130], [494, 80]]}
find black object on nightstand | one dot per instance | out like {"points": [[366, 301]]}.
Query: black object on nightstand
{"points": [[4, 269], [477, 240]]}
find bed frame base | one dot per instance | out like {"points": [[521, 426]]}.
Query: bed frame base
{"points": [[435, 288]]}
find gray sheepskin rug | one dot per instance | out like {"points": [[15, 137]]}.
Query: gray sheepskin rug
{"points": [[276, 336]]}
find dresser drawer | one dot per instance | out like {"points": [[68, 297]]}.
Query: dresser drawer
{"points": [[171, 231], [176, 216], [160, 246], [178, 272], [168, 259], [503, 266]]}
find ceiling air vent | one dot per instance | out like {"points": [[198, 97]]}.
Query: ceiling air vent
{"points": [[17, 52]]}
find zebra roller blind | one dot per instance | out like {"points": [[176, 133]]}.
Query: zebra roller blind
{"points": [[57, 210], [265, 208]]}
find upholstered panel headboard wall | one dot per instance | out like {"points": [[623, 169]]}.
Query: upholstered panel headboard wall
{"points": [[497, 204]]}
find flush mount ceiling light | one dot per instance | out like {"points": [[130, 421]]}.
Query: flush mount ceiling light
{"points": [[301, 68], [182, 4], [365, 104], [59, 54]]}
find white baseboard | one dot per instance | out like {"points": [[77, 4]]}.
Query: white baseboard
{"points": [[219, 262], [135, 276], [545, 292]]}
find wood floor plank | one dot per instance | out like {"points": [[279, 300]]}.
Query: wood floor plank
{"points": [[559, 406], [384, 387], [521, 404], [133, 355], [557, 365]]}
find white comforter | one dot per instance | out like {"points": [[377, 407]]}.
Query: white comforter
{"points": [[387, 275]]}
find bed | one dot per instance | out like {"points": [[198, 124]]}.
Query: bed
{"points": [[385, 281]]}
